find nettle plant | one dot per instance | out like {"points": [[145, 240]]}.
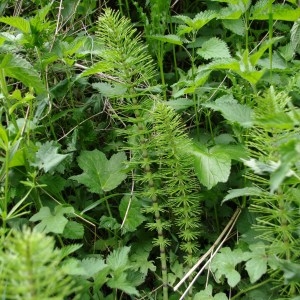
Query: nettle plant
{"points": [[146, 206]]}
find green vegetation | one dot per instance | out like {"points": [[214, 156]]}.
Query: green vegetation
{"points": [[150, 149]]}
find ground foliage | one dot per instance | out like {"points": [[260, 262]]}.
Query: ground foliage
{"points": [[149, 149]]}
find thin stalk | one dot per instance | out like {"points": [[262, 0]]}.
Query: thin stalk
{"points": [[270, 8], [160, 61], [250, 288], [194, 94], [155, 206]]}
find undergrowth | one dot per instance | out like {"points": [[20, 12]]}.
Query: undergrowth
{"points": [[152, 148]]}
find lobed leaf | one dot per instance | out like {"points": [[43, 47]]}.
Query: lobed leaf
{"points": [[101, 174]]}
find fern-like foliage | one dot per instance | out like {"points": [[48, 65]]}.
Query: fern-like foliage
{"points": [[123, 50], [180, 185], [155, 138], [31, 268], [271, 143]]}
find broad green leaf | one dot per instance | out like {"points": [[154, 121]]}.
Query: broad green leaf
{"points": [[99, 173], [214, 48], [180, 103], [199, 80], [247, 191], [197, 22], [98, 67], [207, 295], [17, 22], [291, 270], [73, 230], [118, 259], [290, 154], [256, 266], [279, 12], [109, 223], [17, 67], [224, 263], [3, 138], [122, 283], [47, 157], [236, 26], [210, 167], [169, 38], [52, 222], [236, 152], [232, 110], [92, 266], [109, 90], [139, 260], [134, 216], [280, 120]]}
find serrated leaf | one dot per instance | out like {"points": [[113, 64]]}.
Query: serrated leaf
{"points": [[52, 222], [69, 249], [257, 265], [109, 90], [214, 48], [232, 110], [169, 38], [211, 168], [17, 22], [180, 103], [122, 283], [47, 157], [236, 26], [101, 174], [118, 259], [98, 67], [73, 230], [134, 216], [17, 67], [92, 265], [279, 12], [109, 223]]}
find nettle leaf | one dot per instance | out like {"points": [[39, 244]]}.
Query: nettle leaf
{"points": [[180, 103], [47, 157], [118, 259], [121, 282], [236, 26], [101, 174], [109, 223], [169, 38], [134, 216], [17, 67], [211, 166], [52, 222], [232, 110], [257, 265], [73, 230], [92, 266], [224, 263], [17, 22], [98, 67], [109, 90], [279, 12], [214, 48], [196, 23]]}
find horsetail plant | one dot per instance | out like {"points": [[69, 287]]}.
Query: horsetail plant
{"points": [[154, 135]]}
